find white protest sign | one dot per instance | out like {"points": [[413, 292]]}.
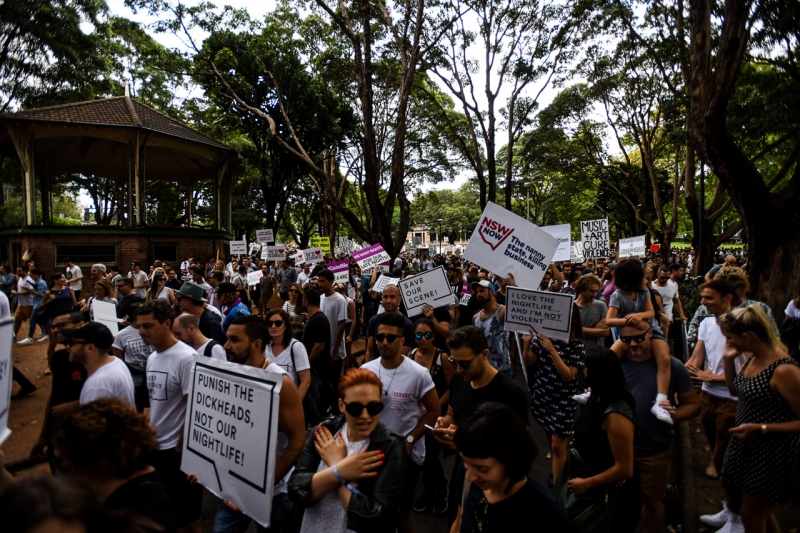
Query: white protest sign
{"points": [[274, 253], [106, 314], [430, 287], [230, 433], [382, 282], [631, 246], [561, 232], [506, 243], [576, 253], [264, 236], [347, 246], [549, 313], [254, 278], [594, 235], [464, 299], [313, 255], [384, 268], [371, 256], [341, 271], [6, 347], [239, 247]]}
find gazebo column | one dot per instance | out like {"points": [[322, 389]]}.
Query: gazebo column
{"points": [[139, 162], [23, 143], [47, 204]]}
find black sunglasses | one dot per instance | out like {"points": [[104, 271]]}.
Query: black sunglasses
{"points": [[463, 364], [428, 335], [276, 323], [355, 408], [637, 338], [380, 337]]}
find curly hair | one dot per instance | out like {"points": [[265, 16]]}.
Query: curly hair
{"points": [[106, 439], [735, 275], [358, 376], [585, 281]]}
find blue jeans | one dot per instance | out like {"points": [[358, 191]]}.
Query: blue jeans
{"points": [[34, 317], [230, 521]]}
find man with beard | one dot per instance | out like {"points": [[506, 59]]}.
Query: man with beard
{"points": [[390, 299], [248, 337], [490, 319]]}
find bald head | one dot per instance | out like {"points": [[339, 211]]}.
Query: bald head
{"points": [[185, 328], [391, 298]]}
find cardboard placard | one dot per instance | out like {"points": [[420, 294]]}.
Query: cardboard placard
{"points": [[341, 271], [594, 235], [562, 232], [264, 236], [231, 431], [347, 246], [276, 302], [383, 268], [313, 255], [274, 253], [254, 278], [630, 247], [507, 243], [430, 287], [106, 314], [6, 348], [321, 242], [371, 256], [549, 313], [576, 253], [239, 247], [382, 282]]}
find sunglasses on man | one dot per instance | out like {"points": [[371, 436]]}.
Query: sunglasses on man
{"points": [[638, 338], [380, 337]]}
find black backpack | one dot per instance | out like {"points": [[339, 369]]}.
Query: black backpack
{"points": [[209, 347]]}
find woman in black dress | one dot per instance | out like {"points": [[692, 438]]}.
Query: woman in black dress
{"points": [[762, 463]]}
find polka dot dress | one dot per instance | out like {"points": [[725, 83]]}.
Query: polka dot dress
{"points": [[551, 397], [328, 515], [764, 466]]}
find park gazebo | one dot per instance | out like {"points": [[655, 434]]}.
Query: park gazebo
{"points": [[131, 143]]}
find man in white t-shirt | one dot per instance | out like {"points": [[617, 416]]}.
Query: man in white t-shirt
{"points": [[407, 389], [106, 375], [719, 406], [24, 294], [168, 380], [129, 346], [248, 337], [140, 280], [186, 328], [74, 277]]}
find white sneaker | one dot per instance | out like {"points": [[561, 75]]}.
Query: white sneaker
{"points": [[661, 413], [733, 525], [42, 338], [719, 519], [583, 398], [24, 342]]}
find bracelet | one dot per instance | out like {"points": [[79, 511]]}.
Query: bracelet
{"points": [[344, 482]]}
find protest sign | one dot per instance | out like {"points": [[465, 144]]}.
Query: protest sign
{"points": [[562, 232], [274, 253], [594, 235], [230, 433], [382, 282], [576, 253], [313, 255], [106, 314], [239, 247], [341, 271], [6, 347], [383, 268], [430, 287], [549, 313], [371, 256], [347, 246], [254, 278], [630, 247], [464, 299], [506, 243], [321, 242], [264, 236]]}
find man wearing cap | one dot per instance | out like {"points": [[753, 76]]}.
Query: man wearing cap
{"points": [[191, 300], [107, 376], [490, 320], [232, 304]]}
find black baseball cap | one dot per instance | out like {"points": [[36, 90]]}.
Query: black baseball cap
{"points": [[91, 333]]}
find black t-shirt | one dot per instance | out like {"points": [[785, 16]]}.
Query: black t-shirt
{"points": [[68, 380], [441, 314], [211, 326], [317, 330], [468, 311], [531, 508], [145, 496], [408, 333], [174, 284], [125, 302], [502, 389]]}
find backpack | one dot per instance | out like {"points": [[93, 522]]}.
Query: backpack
{"points": [[209, 347]]}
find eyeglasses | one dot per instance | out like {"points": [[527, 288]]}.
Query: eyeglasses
{"points": [[355, 408], [637, 338], [428, 335], [463, 364], [274, 323], [380, 337]]}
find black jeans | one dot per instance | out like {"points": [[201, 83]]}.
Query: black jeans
{"points": [[433, 479]]}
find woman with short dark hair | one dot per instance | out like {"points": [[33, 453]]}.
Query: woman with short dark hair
{"points": [[499, 494]]}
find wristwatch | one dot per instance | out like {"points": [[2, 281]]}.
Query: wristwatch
{"points": [[410, 439]]}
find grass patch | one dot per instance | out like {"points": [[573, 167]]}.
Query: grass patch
{"points": [[723, 246]]}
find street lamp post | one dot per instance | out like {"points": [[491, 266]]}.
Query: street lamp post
{"points": [[528, 186], [440, 234]]}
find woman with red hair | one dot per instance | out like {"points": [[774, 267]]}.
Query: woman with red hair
{"points": [[352, 469]]}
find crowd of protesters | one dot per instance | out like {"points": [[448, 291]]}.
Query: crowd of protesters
{"points": [[359, 430]]}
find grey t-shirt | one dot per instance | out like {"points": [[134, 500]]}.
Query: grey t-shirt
{"points": [[653, 435], [286, 278], [590, 315], [627, 307]]}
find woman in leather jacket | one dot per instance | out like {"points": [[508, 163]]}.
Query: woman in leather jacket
{"points": [[351, 472]]}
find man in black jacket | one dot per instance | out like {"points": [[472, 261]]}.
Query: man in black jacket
{"points": [[191, 300]]}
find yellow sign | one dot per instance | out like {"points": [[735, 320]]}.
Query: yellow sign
{"points": [[321, 242]]}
